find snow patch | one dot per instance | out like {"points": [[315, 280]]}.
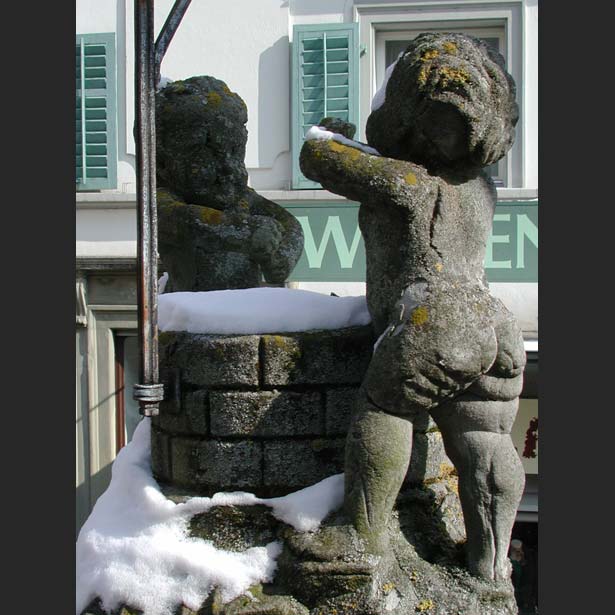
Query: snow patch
{"points": [[162, 282], [134, 548], [251, 311], [319, 133], [164, 81], [380, 95]]}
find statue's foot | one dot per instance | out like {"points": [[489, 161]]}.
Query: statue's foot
{"points": [[330, 562]]}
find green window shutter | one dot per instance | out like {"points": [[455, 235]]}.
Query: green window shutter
{"points": [[325, 82], [96, 139]]}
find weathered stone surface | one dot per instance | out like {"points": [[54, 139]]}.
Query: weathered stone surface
{"points": [[292, 465], [265, 413], [316, 357], [212, 360], [340, 405], [257, 602], [428, 461], [423, 422], [213, 465], [214, 231], [236, 528], [161, 455], [189, 416]]}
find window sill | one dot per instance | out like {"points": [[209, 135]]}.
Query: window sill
{"points": [[105, 200]]}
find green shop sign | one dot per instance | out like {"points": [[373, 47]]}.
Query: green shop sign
{"points": [[334, 249]]}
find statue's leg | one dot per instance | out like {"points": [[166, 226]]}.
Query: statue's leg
{"points": [[378, 450], [508, 480], [471, 452]]}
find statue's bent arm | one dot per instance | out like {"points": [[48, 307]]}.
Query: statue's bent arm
{"points": [[352, 173], [278, 264]]}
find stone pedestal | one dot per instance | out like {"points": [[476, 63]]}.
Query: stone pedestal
{"points": [[268, 414]]}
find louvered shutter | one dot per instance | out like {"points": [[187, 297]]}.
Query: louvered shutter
{"points": [[325, 82], [96, 155]]}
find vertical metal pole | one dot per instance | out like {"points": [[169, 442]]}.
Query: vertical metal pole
{"points": [[149, 393]]}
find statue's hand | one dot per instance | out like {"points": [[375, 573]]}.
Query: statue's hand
{"points": [[266, 237], [335, 124]]}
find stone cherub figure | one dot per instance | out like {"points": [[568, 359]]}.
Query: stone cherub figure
{"points": [[445, 345], [214, 231]]}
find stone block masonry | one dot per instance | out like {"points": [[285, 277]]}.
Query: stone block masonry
{"points": [[265, 413]]}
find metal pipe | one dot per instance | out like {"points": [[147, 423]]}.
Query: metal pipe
{"points": [[168, 31], [149, 393]]}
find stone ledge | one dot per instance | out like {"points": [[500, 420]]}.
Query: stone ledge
{"points": [[333, 357], [297, 464], [266, 413], [212, 360]]}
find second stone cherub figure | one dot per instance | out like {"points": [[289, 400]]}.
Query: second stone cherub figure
{"points": [[445, 344], [214, 231]]}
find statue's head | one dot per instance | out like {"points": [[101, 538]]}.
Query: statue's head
{"points": [[201, 141], [449, 104]]}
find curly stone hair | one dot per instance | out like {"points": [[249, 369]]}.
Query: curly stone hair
{"points": [[449, 105]]}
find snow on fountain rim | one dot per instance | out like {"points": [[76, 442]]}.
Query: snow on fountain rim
{"points": [[250, 311], [134, 548]]}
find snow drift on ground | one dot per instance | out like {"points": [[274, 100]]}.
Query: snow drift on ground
{"points": [[134, 548], [258, 310], [320, 133]]}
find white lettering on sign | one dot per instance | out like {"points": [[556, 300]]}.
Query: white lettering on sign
{"points": [[333, 228], [489, 262]]}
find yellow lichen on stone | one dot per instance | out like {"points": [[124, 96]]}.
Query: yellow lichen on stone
{"points": [[423, 74], [388, 587], [425, 605], [351, 152], [243, 203], [419, 316], [209, 215], [453, 483], [226, 90], [446, 469], [410, 178], [439, 267], [430, 54], [214, 99], [454, 75], [450, 47]]}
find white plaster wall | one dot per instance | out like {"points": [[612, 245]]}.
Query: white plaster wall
{"points": [[244, 43], [106, 233], [319, 11], [96, 16]]}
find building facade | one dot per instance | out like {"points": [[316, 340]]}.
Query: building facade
{"points": [[292, 62]]}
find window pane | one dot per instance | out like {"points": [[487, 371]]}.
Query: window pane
{"points": [[393, 49]]}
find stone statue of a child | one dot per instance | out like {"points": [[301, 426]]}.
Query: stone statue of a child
{"points": [[445, 345], [214, 231]]}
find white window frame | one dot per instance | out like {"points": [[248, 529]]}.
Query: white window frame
{"points": [[377, 19]]}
